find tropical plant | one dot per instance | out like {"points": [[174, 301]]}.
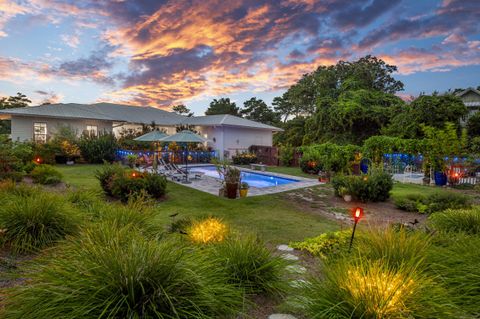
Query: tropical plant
{"points": [[38, 221], [106, 174], [46, 175], [97, 149], [373, 187]]}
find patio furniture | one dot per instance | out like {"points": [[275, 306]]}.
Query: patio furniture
{"points": [[147, 160], [153, 136], [262, 167], [184, 137], [197, 175]]}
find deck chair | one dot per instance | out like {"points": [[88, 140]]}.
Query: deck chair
{"points": [[196, 175], [148, 161]]}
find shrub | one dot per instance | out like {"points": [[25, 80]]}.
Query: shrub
{"points": [[454, 258], [250, 265], [459, 220], [36, 222], [106, 174], [115, 181], [12, 175], [155, 185], [208, 230], [244, 158], [447, 200], [46, 152], [46, 175], [364, 288], [124, 186], [374, 187], [325, 245], [132, 160], [117, 273], [328, 156], [286, 155], [433, 203], [97, 149], [410, 202]]}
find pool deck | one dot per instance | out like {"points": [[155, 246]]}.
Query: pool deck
{"points": [[212, 185]]}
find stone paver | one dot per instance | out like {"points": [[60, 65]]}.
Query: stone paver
{"points": [[296, 269], [289, 257], [284, 248], [211, 185], [281, 316]]}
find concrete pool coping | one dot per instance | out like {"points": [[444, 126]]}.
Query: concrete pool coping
{"points": [[211, 185]]}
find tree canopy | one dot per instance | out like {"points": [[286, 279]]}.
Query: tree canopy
{"points": [[19, 100], [222, 106], [257, 110], [427, 110], [182, 110]]}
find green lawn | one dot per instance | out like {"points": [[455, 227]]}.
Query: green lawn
{"points": [[273, 217]]}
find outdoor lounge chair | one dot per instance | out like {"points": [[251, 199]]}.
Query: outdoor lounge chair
{"points": [[148, 161], [196, 175]]}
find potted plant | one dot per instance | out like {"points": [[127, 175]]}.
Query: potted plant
{"points": [[232, 181], [323, 176], [132, 160], [343, 191], [244, 189]]}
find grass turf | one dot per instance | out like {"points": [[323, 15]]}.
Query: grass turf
{"points": [[273, 217]]}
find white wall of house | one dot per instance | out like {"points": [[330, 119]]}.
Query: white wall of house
{"points": [[22, 127], [231, 140]]}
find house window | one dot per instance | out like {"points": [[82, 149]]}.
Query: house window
{"points": [[40, 132], [92, 130]]}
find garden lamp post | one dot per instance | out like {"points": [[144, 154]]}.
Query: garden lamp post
{"points": [[357, 215]]}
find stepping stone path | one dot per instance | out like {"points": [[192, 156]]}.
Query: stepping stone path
{"points": [[284, 248], [281, 316], [292, 269], [289, 257]]}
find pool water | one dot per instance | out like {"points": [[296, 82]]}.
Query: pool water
{"points": [[258, 180]]}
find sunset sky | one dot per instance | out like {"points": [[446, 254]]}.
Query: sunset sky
{"points": [[162, 53]]}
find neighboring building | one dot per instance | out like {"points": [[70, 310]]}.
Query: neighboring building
{"points": [[228, 134], [471, 99]]}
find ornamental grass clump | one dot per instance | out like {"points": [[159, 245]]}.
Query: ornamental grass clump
{"points": [[364, 288], [46, 175], [32, 223], [455, 260], [118, 273], [250, 265], [458, 220], [209, 230], [394, 247]]}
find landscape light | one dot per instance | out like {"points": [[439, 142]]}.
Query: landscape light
{"points": [[357, 213], [38, 160]]}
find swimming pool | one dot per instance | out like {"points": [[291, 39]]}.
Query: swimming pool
{"points": [[258, 180]]}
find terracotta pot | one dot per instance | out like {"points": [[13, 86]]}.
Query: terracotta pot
{"points": [[232, 190], [243, 192]]}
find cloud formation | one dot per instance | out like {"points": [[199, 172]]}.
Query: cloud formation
{"points": [[165, 52]]}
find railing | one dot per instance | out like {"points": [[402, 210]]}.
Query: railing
{"points": [[171, 156]]}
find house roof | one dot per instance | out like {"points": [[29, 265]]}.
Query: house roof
{"points": [[131, 114], [468, 90], [228, 120]]}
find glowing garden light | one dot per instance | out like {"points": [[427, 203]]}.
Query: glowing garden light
{"points": [[357, 215], [38, 160]]}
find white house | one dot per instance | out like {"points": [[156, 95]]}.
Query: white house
{"points": [[228, 134], [471, 98]]}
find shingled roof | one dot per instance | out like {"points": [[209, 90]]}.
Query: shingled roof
{"points": [[131, 114]]}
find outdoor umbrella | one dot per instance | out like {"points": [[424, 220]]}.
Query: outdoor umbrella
{"points": [[185, 137], [153, 136]]}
